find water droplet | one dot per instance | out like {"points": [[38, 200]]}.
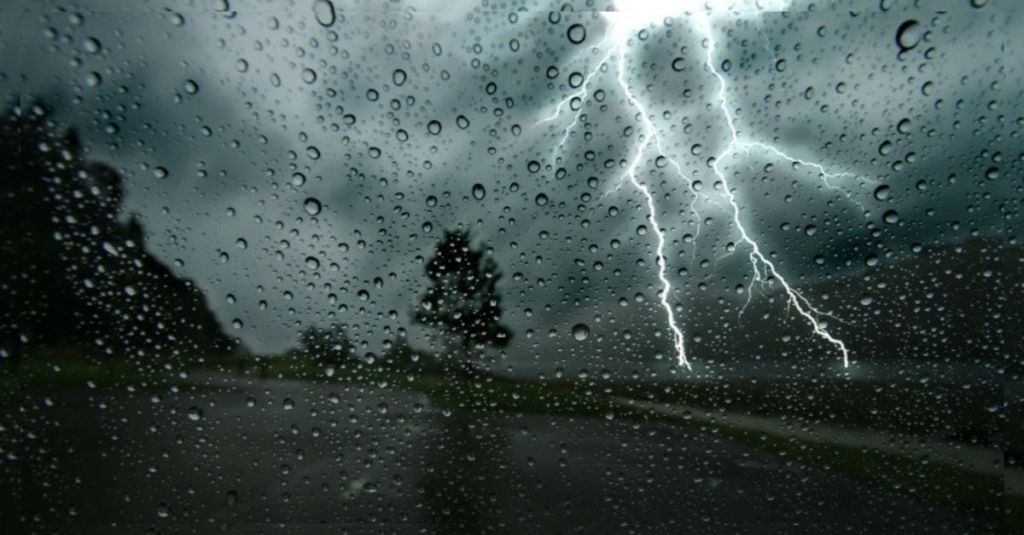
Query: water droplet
{"points": [[398, 77], [580, 332], [92, 45], [323, 10], [541, 199], [908, 34], [577, 33], [462, 122], [882, 192], [434, 127], [195, 414], [312, 206], [478, 191], [576, 79]]}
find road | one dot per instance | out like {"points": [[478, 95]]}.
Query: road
{"points": [[277, 456]]}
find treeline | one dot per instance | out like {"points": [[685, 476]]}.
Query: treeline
{"points": [[75, 277], [330, 346]]}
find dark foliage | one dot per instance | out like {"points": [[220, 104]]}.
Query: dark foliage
{"points": [[462, 302], [73, 275]]}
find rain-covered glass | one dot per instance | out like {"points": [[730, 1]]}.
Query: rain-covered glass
{"points": [[511, 266]]}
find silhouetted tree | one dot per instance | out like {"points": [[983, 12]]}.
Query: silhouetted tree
{"points": [[462, 302]]}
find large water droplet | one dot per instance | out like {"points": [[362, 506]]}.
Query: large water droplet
{"points": [[398, 77], [908, 34], [479, 192], [580, 331], [312, 206], [323, 10], [577, 33]]}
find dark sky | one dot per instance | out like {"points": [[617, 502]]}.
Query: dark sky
{"points": [[225, 118]]}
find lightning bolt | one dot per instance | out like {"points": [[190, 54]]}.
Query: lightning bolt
{"points": [[796, 299], [621, 26]]}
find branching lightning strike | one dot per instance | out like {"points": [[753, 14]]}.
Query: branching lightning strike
{"points": [[621, 26]]}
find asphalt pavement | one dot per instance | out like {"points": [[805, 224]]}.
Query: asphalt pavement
{"points": [[278, 456]]}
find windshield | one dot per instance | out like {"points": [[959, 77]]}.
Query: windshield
{"points": [[734, 266]]}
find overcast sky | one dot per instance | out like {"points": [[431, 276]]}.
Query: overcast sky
{"points": [[226, 118]]}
